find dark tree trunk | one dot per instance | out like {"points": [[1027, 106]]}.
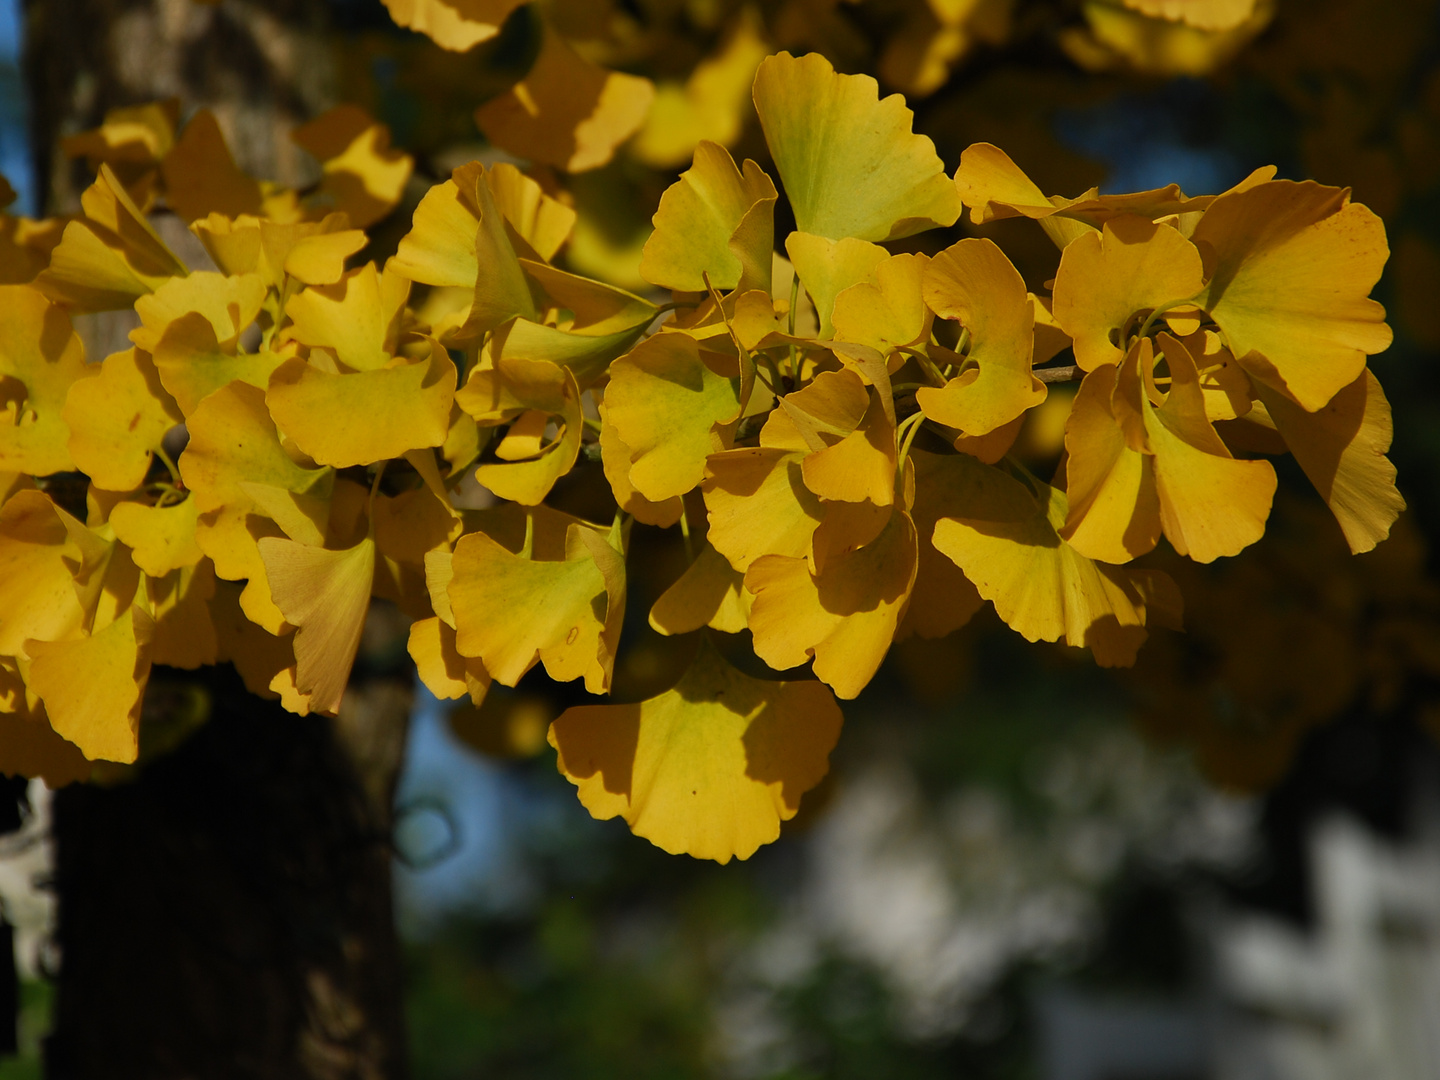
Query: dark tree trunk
{"points": [[227, 913]]}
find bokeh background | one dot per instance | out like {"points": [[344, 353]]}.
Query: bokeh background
{"points": [[1224, 863]]}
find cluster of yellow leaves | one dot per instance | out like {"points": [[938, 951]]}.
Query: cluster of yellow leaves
{"points": [[829, 429]]}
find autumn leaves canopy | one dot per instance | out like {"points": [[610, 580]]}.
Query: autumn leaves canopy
{"points": [[830, 428]]}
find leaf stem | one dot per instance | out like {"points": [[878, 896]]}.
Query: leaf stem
{"points": [[161, 453]]}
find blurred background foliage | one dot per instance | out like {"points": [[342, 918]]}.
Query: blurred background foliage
{"points": [[1003, 822]]}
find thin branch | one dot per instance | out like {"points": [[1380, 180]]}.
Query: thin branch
{"points": [[1059, 374]]}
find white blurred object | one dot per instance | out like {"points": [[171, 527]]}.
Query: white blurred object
{"points": [[1359, 999], [27, 858]]}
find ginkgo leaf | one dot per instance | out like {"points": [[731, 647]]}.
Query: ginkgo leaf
{"points": [[850, 163], [942, 599], [1106, 279], [1005, 538], [709, 768], [229, 304], [37, 561], [457, 25], [361, 176], [99, 713], [1290, 274], [201, 177], [973, 282], [192, 365], [666, 403], [359, 317], [117, 419], [161, 538], [887, 311], [587, 354], [509, 392], [1113, 508], [1342, 449], [311, 253], [442, 669], [615, 460], [542, 221], [845, 616], [111, 256], [1211, 505], [758, 504], [136, 136], [233, 442], [406, 407], [184, 634], [566, 112], [326, 595], [859, 467], [233, 244], [30, 747], [710, 593], [698, 217], [40, 358], [513, 610], [829, 267]]}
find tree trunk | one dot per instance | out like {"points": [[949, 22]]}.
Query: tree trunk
{"points": [[226, 911]]}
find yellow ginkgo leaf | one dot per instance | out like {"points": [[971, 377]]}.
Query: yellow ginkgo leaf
{"points": [[133, 138], [38, 558], [229, 304], [845, 616], [41, 357], [526, 394], [859, 467], [543, 222], [973, 282], [667, 405], [759, 505], [701, 215], [311, 253], [457, 25], [29, 746], [99, 713], [1113, 508], [445, 673], [1005, 537], [405, 407], [615, 460], [710, 593], [1342, 449], [117, 420], [109, 257], [514, 610], [1110, 279], [192, 364], [819, 414], [361, 176], [1293, 266], [888, 310], [359, 317], [184, 634], [829, 267], [709, 768], [233, 442], [850, 163], [201, 177], [234, 244], [161, 539], [1121, 36], [1211, 505], [566, 112], [943, 599], [326, 594]]}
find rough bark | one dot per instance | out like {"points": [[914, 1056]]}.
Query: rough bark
{"points": [[227, 913]]}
